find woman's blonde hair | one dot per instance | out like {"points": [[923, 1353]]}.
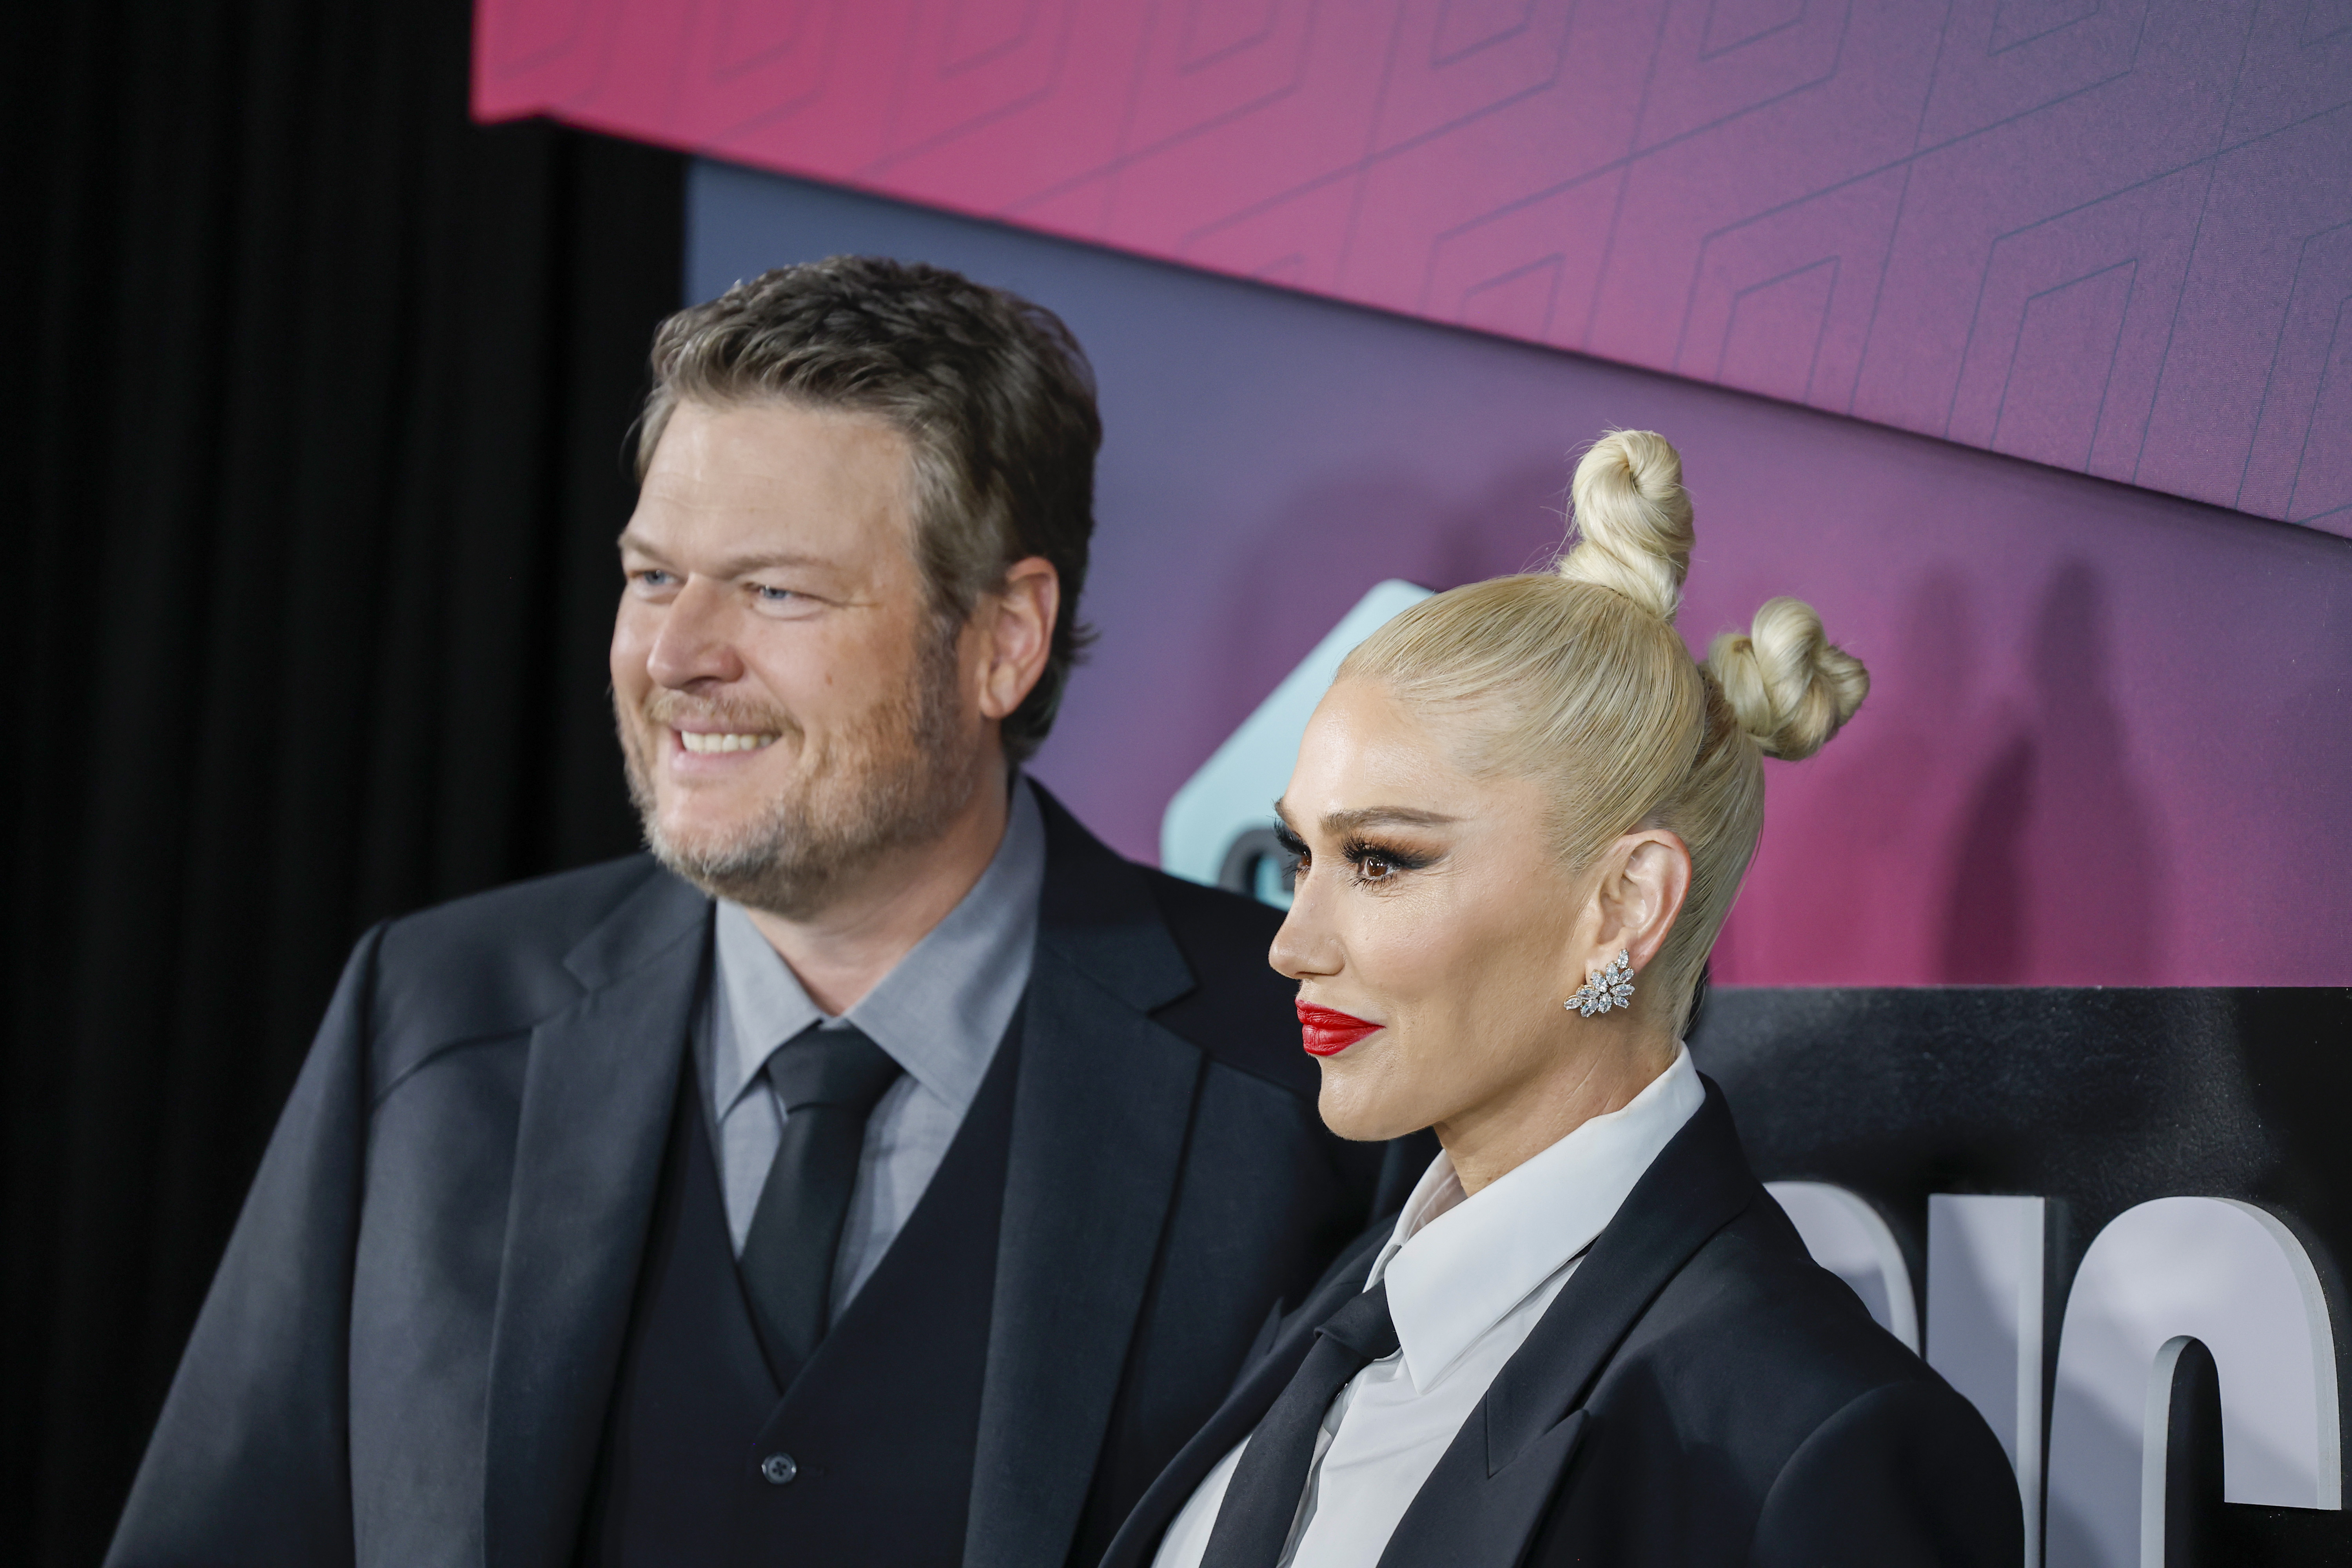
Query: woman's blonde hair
{"points": [[1577, 677]]}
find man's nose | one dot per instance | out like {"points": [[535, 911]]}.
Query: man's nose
{"points": [[695, 644]]}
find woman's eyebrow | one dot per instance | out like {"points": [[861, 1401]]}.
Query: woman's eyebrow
{"points": [[1361, 818]]}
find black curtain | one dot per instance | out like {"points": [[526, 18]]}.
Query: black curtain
{"points": [[314, 400]]}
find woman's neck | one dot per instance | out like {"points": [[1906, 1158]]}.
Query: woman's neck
{"points": [[1615, 1063]]}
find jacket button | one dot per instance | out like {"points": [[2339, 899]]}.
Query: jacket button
{"points": [[780, 1469]]}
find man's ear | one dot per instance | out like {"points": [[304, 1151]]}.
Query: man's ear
{"points": [[1018, 633]]}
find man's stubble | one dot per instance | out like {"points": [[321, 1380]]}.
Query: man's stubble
{"points": [[895, 776]]}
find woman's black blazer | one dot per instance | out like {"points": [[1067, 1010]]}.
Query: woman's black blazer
{"points": [[1700, 1393]]}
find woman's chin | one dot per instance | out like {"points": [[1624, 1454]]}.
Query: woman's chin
{"points": [[1358, 1116]]}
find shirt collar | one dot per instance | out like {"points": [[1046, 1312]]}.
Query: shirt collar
{"points": [[1456, 1266], [942, 1009]]}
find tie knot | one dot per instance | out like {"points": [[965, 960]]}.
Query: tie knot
{"points": [[1363, 1325], [831, 1067]]}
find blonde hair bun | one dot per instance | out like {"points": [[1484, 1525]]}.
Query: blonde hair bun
{"points": [[1632, 520], [1788, 684], [1576, 679]]}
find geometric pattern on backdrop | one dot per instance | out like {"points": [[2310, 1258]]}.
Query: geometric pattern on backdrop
{"points": [[2111, 238]]}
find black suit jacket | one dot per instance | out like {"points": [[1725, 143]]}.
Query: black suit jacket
{"points": [[1700, 1393], [406, 1356]]}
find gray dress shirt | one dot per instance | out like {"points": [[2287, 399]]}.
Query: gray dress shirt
{"points": [[939, 1013]]}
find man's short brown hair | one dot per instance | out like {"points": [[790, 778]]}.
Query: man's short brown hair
{"points": [[992, 393]]}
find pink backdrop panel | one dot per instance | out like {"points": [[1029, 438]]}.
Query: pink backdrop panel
{"points": [[2110, 237], [2109, 734]]}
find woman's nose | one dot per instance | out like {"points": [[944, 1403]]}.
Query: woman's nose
{"points": [[1304, 947]]}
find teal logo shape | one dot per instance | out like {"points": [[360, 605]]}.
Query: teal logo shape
{"points": [[1219, 829]]}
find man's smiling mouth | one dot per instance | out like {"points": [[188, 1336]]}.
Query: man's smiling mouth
{"points": [[700, 740]]}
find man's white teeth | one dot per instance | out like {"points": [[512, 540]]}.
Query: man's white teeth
{"points": [[700, 740]]}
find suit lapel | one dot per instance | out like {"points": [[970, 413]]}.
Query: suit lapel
{"points": [[1101, 1111], [1480, 1508], [596, 1103], [1488, 1520], [1261, 1383]]}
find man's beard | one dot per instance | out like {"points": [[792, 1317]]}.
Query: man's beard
{"points": [[895, 776]]}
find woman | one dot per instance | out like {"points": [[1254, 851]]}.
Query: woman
{"points": [[1520, 815]]}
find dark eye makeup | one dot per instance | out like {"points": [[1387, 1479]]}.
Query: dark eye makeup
{"points": [[1372, 861], [1378, 862]]}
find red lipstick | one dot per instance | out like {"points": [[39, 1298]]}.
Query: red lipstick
{"points": [[1325, 1032]]}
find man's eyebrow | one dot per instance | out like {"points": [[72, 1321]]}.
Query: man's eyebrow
{"points": [[1363, 816], [767, 560], [734, 565]]}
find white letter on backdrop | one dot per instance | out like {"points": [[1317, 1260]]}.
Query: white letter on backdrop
{"points": [[1984, 1324], [2230, 1276]]}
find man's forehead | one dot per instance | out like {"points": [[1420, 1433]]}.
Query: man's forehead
{"points": [[775, 480]]}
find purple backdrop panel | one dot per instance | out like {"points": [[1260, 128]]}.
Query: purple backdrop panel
{"points": [[2104, 237], [2110, 737]]}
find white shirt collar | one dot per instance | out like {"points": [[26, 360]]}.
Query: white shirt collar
{"points": [[940, 1011], [1456, 1266]]}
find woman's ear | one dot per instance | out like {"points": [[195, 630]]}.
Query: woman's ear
{"points": [[1641, 893]]}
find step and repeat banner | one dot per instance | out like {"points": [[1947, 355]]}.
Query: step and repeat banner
{"points": [[1913, 286]]}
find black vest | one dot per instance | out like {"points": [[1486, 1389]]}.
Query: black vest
{"points": [[867, 1457]]}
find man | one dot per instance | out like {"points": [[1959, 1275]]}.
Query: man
{"points": [[881, 1170]]}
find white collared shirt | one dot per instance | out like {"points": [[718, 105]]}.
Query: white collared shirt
{"points": [[1468, 1277], [939, 1013]]}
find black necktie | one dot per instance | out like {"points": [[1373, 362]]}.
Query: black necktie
{"points": [[828, 1081], [1254, 1522]]}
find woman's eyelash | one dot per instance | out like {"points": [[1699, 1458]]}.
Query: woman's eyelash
{"points": [[1357, 851]]}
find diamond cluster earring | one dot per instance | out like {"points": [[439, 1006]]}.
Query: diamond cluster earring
{"points": [[1605, 988]]}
